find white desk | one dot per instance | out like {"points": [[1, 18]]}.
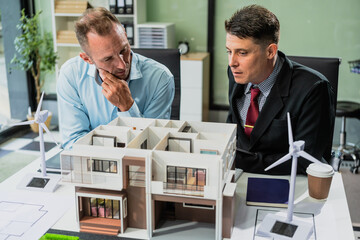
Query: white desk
{"points": [[332, 218], [68, 221]]}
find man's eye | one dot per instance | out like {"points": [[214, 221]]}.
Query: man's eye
{"points": [[228, 52], [242, 53], [122, 52]]}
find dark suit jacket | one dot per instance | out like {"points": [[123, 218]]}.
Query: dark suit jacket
{"points": [[307, 96]]}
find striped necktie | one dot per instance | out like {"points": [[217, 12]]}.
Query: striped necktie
{"points": [[253, 111]]}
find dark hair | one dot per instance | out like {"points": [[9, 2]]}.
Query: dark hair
{"points": [[98, 20], [255, 22]]}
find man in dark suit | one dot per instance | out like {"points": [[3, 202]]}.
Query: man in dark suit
{"points": [[263, 86]]}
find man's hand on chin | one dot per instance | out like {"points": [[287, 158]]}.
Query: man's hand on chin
{"points": [[116, 91]]}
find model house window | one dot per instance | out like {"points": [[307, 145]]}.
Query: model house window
{"points": [[106, 141], [125, 207], [66, 163], [180, 175], [200, 206], [179, 144], [170, 174], [104, 208], [187, 176], [187, 129], [137, 176], [116, 209], [209, 151], [104, 166], [144, 145], [88, 164]]}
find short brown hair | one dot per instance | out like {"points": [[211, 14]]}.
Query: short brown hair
{"points": [[98, 20], [255, 22]]}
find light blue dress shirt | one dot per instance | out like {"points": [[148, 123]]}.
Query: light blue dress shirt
{"points": [[83, 107]]}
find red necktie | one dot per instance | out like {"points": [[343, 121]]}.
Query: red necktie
{"points": [[253, 111]]}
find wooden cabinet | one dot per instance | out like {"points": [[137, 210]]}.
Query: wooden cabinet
{"points": [[65, 13], [195, 88]]}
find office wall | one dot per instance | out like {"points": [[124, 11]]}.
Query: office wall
{"points": [[189, 16], [308, 28]]}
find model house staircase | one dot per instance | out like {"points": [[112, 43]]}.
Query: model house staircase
{"points": [[100, 225]]}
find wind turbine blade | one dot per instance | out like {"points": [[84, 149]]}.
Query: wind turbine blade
{"points": [[23, 123], [44, 115], [291, 140], [39, 106], [309, 157], [48, 131], [280, 161]]}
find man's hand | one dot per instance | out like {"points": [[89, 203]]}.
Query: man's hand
{"points": [[116, 91]]}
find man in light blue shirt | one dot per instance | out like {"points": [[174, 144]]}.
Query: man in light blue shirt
{"points": [[108, 80]]}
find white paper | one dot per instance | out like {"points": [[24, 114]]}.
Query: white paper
{"points": [[28, 215]]}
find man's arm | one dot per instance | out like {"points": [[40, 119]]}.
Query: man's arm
{"points": [[316, 121], [118, 93], [160, 104], [73, 118]]}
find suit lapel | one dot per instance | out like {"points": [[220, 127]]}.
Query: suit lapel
{"points": [[274, 102], [272, 106], [237, 92]]}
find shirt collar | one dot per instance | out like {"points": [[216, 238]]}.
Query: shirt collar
{"points": [[266, 85], [135, 72]]}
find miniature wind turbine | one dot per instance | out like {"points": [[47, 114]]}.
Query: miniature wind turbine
{"points": [[36, 181], [287, 228]]}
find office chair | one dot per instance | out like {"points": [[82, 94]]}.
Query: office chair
{"points": [[171, 59], [346, 150], [329, 67]]}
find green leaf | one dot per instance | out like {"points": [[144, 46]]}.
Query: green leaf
{"points": [[31, 45]]}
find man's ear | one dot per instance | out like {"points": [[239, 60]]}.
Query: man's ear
{"points": [[86, 58], [125, 33], [272, 50]]}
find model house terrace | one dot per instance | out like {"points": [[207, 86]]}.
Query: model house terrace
{"points": [[134, 173]]}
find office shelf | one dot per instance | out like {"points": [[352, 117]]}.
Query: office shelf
{"points": [[65, 13], [355, 66]]}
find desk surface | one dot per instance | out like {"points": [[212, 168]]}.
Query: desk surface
{"points": [[331, 217]]}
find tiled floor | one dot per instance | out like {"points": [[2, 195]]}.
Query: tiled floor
{"points": [[18, 152]]}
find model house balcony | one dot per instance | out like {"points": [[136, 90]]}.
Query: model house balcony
{"points": [[183, 189], [103, 226]]}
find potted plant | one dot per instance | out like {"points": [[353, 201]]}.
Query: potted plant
{"points": [[34, 51]]}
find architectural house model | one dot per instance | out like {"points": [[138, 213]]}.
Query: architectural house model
{"points": [[134, 173]]}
